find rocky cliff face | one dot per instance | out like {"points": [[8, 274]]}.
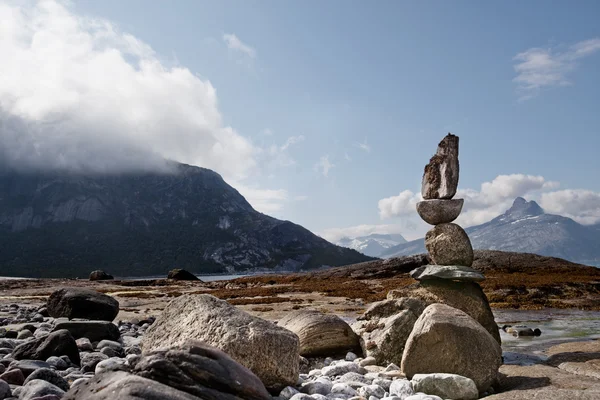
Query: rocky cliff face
{"points": [[146, 223], [526, 228]]}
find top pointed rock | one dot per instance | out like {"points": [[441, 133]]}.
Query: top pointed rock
{"points": [[440, 179]]}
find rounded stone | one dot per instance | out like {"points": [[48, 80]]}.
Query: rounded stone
{"points": [[448, 244], [439, 211]]}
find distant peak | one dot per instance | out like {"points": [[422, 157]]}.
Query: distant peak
{"points": [[522, 207]]}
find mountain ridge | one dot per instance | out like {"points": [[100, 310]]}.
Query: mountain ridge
{"points": [[526, 228], [145, 223]]}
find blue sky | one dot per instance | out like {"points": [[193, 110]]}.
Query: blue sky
{"points": [[368, 89]]}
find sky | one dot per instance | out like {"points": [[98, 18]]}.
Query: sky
{"points": [[319, 112]]}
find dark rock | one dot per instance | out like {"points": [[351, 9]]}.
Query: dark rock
{"points": [[48, 375], [182, 275], [440, 179], [39, 388], [11, 334], [5, 391], [121, 385], [13, 377], [28, 366], [203, 371], [82, 303], [449, 244], [100, 275], [439, 211], [95, 331], [55, 344], [445, 339], [90, 360], [451, 272]]}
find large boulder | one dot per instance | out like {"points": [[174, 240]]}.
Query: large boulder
{"points": [[59, 343], [440, 179], [121, 385], [320, 334], [182, 275], [385, 327], [269, 351], [203, 371], [100, 275], [82, 303], [466, 296], [447, 340], [95, 331], [449, 244]]}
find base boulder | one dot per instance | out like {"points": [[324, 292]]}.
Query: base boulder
{"points": [[447, 340]]}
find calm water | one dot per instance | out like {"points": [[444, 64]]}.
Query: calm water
{"points": [[557, 326]]}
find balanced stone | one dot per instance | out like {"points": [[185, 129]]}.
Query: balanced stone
{"points": [[439, 211], [452, 272], [440, 179], [448, 244], [445, 339]]}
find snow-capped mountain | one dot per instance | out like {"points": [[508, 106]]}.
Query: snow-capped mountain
{"points": [[372, 245], [525, 227]]}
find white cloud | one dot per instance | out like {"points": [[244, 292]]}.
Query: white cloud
{"points": [[267, 201], [363, 146], [347, 157], [581, 205], [324, 165], [539, 68], [234, 43], [292, 140], [402, 205], [278, 155], [267, 132], [335, 234], [77, 93], [492, 199]]}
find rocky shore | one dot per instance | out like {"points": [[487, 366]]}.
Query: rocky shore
{"points": [[417, 328]]}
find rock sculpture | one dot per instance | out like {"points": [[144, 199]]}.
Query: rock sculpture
{"points": [[448, 244]]}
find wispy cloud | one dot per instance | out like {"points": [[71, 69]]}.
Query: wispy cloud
{"points": [[279, 154], [363, 146], [347, 157], [292, 140], [234, 43], [324, 165], [540, 68]]}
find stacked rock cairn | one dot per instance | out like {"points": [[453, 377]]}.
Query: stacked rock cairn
{"points": [[447, 243]]}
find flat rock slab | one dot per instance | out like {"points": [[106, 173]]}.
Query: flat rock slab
{"points": [[439, 211], [440, 179], [541, 382], [450, 272]]}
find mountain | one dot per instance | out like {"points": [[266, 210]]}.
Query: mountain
{"points": [[525, 227], [372, 245], [135, 224]]}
